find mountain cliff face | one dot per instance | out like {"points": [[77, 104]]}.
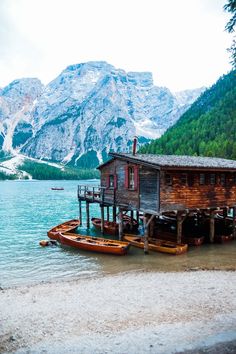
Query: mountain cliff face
{"points": [[208, 128], [88, 110]]}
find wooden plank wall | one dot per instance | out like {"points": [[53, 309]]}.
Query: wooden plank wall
{"points": [[179, 197]]}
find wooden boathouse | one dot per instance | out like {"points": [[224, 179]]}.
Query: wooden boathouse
{"points": [[156, 185]]}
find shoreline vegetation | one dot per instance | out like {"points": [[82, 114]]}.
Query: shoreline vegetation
{"points": [[131, 312], [42, 171]]}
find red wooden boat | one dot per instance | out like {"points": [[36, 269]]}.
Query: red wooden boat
{"points": [[94, 244], [67, 226], [112, 228]]}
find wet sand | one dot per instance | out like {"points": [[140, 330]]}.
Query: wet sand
{"points": [[136, 312]]}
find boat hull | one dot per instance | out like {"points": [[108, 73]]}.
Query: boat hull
{"points": [[112, 228], [156, 245], [70, 225], [94, 244]]}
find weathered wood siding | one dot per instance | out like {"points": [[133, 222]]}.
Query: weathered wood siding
{"points": [[123, 196], [180, 197], [149, 189]]}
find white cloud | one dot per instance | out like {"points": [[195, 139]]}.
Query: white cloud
{"points": [[182, 43]]}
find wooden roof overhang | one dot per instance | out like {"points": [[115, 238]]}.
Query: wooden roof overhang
{"points": [[181, 163]]}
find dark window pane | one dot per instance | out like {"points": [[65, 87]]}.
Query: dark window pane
{"points": [[183, 179], [212, 178], [202, 179], [168, 179]]}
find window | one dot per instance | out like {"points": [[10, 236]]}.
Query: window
{"points": [[202, 179], [183, 179], [111, 181], [191, 180], [212, 178], [131, 177], [222, 179], [168, 179]]}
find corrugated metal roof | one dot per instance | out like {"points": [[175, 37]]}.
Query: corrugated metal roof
{"points": [[178, 161]]}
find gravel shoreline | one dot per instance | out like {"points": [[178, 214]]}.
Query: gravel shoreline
{"points": [[135, 312]]}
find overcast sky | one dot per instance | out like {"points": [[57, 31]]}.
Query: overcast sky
{"points": [[182, 42]]}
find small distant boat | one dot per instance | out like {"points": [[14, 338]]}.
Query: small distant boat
{"points": [[57, 189], [67, 226], [94, 244], [112, 228], [162, 246]]}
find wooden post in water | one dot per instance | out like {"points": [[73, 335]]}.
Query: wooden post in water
{"points": [[114, 213], [234, 222], [212, 226], [152, 227], [80, 211], [102, 219], [180, 220], [120, 224], [137, 216], [132, 219], [87, 215], [146, 233], [108, 213]]}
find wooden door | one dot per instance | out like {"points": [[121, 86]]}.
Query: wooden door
{"points": [[149, 190]]}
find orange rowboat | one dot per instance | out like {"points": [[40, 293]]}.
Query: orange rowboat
{"points": [[162, 246], [67, 226], [94, 244]]}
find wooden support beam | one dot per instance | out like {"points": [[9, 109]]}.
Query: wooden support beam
{"points": [[80, 211], [87, 215], [102, 219], [108, 214], [147, 222], [132, 219], [120, 224], [137, 216], [180, 219], [114, 213], [234, 222], [152, 226], [212, 226]]}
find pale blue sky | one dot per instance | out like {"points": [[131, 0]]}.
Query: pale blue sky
{"points": [[182, 42]]}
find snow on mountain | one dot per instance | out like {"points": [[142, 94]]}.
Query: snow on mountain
{"points": [[88, 110]]}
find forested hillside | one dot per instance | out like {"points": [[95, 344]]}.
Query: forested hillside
{"points": [[208, 128]]}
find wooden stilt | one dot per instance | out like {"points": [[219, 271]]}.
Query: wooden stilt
{"points": [[212, 226], [146, 233], [132, 219], [180, 220], [234, 222], [152, 227], [108, 214], [137, 216], [102, 219], [87, 215], [120, 224], [147, 220], [114, 213], [80, 211]]}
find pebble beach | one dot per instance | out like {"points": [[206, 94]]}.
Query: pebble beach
{"points": [[134, 312]]}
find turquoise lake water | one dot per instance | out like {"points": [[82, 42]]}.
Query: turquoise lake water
{"points": [[29, 208]]}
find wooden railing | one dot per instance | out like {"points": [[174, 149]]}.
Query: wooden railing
{"points": [[96, 194]]}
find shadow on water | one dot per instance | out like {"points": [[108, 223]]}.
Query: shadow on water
{"points": [[29, 209]]}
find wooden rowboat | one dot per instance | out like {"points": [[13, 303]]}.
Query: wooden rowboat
{"points": [[67, 226], [224, 238], [112, 228], [94, 244], [157, 245], [57, 189]]}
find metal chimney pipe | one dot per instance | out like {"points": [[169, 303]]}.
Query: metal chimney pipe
{"points": [[135, 145]]}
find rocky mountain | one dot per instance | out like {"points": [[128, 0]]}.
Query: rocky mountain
{"points": [[207, 128], [88, 110]]}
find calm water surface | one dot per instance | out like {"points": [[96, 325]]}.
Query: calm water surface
{"points": [[29, 208]]}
